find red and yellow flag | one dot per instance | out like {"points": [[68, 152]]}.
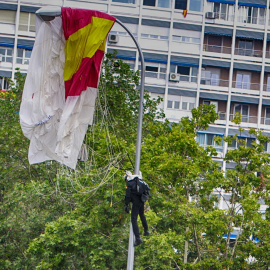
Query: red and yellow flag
{"points": [[85, 32], [185, 13]]}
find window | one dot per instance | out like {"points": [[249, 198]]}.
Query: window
{"points": [[3, 83], [6, 54], [185, 39], [23, 56], [155, 70], [268, 84], [243, 80], [222, 11], [7, 16], [253, 15], [180, 4], [27, 22], [187, 74], [157, 3], [125, 1], [245, 47], [235, 143], [143, 35], [243, 110], [180, 103], [208, 102], [267, 116], [206, 139], [195, 5], [210, 77]]}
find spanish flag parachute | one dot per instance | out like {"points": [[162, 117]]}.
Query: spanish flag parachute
{"points": [[61, 85]]}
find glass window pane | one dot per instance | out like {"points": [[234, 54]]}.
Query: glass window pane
{"points": [[246, 81], [267, 112], [176, 104], [209, 139], [151, 74], [184, 105], [245, 110], [181, 4], [125, 1], [191, 106], [164, 37], [237, 109], [153, 69], [239, 78], [233, 144], [186, 39], [183, 70], [20, 52], [164, 3], [176, 38], [149, 2], [200, 138], [154, 36], [9, 52], [28, 53], [195, 5], [194, 71], [169, 104]]}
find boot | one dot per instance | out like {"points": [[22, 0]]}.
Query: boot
{"points": [[146, 233], [138, 242]]}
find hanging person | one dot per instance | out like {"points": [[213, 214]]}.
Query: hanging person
{"points": [[137, 192]]}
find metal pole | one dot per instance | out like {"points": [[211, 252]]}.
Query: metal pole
{"points": [[130, 261], [48, 13]]}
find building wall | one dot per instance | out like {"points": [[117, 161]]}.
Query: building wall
{"points": [[187, 46]]}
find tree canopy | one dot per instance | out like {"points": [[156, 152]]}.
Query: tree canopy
{"points": [[55, 218]]}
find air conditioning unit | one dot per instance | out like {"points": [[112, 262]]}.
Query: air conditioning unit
{"points": [[174, 77], [113, 38], [210, 15]]}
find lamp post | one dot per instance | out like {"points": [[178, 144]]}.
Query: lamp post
{"points": [[49, 13]]}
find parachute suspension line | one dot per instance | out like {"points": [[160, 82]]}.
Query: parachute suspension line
{"points": [[112, 194]]}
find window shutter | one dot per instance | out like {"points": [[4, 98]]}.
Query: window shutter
{"points": [[23, 22], [7, 16]]}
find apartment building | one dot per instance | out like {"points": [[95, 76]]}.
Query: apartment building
{"points": [[196, 52]]}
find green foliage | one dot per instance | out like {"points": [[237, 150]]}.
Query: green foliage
{"points": [[54, 218]]}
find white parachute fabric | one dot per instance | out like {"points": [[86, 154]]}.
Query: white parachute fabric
{"points": [[55, 127]]}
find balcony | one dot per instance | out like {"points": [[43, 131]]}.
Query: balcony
{"points": [[246, 119], [246, 86], [229, 17], [248, 52], [216, 49], [265, 121], [214, 82]]}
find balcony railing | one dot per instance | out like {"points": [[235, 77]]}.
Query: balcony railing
{"points": [[265, 121], [248, 52], [214, 82], [157, 75], [224, 16], [188, 78], [245, 85], [246, 119], [252, 19], [221, 115], [216, 49]]}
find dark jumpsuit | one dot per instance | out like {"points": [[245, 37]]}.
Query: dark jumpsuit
{"points": [[137, 207]]}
